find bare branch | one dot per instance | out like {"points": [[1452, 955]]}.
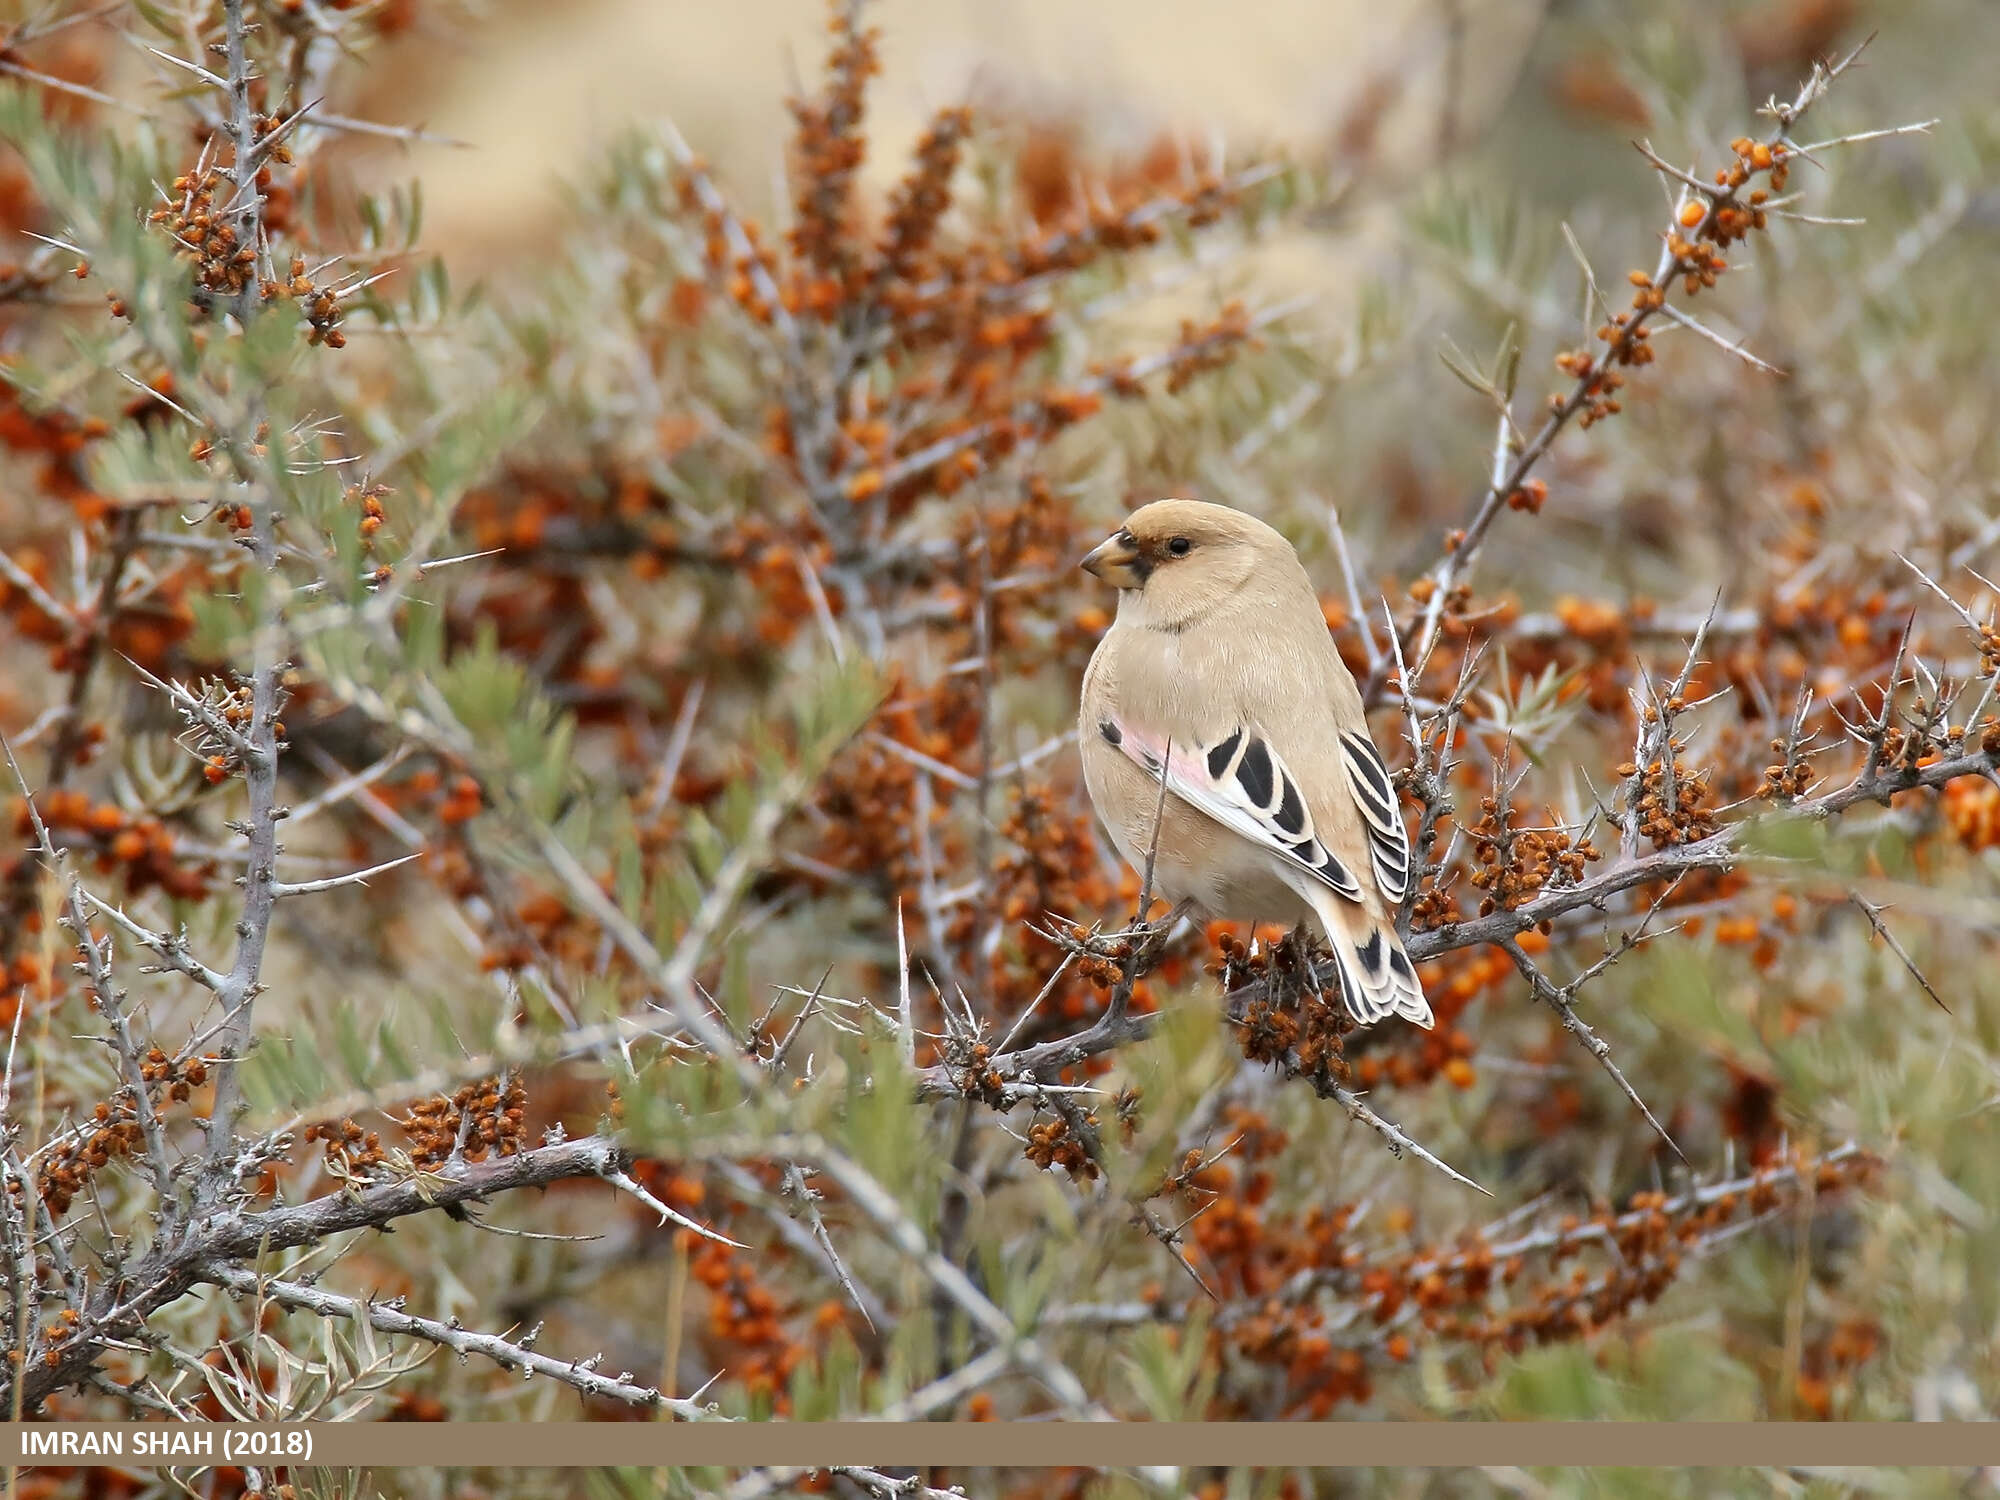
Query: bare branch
{"points": [[389, 1317]]}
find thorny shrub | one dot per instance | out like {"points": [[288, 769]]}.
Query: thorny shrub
{"points": [[620, 744]]}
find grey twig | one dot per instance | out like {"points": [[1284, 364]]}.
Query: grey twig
{"points": [[389, 1317]]}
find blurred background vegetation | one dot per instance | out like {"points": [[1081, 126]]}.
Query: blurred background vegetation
{"points": [[791, 739]]}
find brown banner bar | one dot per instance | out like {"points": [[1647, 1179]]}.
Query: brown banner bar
{"points": [[1009, 1444]]}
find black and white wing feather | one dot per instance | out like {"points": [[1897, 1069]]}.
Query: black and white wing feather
{"points": [[1375, 795], [1241, 783]]}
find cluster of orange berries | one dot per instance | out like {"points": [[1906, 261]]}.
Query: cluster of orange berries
{"points": [[323, 313], [1515, 864], [1788, 780], [1255, 1252], [1735, 221], [746, 1316], [141, 847], [1827, 1365], [1715, 222], [1297, 1023], [1203, 347], [1643, 1249], [236, 707], [1320, 1375], [463, 800], [1269, 1032], [1056, 408], [1597, 381], [1971, 808], [749, 277], [1323, 1029], [544, 925], [1595, 622], [922, 199], [488, 1115], [1257, 1255], [683, 1190], [1039, 533], [829, 147], [238, 518], [1457, 601], [978, 1078], [1436, 906], [1989, 651], [1747, 930], [409, 1406], [346, 1145], [1118, 219], [1445, 1051], [914, 296], [23, 979], [56, 1333], [1050, 1144], [1102, 965], [1702, 261], [368, 499], [224, 265], [868, 795], [181, 1078], [114, 1134], [1690, 816], [1051, 863], [1301, 1023], [265, 127]]}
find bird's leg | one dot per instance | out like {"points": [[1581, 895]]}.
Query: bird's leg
{"points": [[1300, 942], [1157, 933]]}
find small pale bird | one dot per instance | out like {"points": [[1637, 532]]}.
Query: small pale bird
{"points": [[1277, 807]]}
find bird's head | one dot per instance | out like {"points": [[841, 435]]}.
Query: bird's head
{"points": [[1179, 560]]}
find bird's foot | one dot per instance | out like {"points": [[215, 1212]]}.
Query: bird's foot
{"points": [[1300, 943], [1154, 935]]}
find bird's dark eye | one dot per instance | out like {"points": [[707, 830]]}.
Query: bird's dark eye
{"points": [[1180, 546]]}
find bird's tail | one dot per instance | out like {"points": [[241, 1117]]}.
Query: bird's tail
{"points": [[1376, 975]]}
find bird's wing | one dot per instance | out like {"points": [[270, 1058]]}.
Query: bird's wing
{"points": [[1388, 841], [1240, 782]]}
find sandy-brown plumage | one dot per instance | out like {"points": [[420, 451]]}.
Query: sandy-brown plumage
{"points": [[1278, 808]]}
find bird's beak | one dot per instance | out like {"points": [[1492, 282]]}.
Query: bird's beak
{"points": [[1116, 560]]}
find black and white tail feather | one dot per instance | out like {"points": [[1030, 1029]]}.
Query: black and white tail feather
{"points": [[1241, 783]]}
